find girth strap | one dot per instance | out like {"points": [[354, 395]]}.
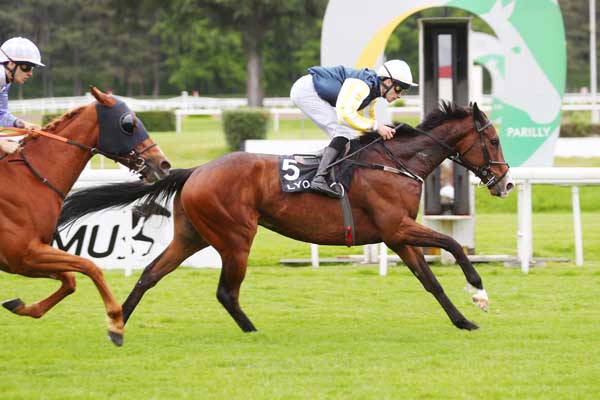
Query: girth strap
{"points": [[348, 220]]}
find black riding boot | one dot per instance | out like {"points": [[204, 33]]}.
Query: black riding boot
{"points": [[319, 182]]}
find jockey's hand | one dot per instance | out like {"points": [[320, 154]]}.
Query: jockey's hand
{"points": [[8, 146], [20, 123], [385, 131], [28, 125]]}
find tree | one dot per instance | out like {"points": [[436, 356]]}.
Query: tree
{"points": [[252, 19]]}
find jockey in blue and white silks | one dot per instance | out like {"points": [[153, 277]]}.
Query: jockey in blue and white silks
{"points": [[335, 98], [19, 56]]}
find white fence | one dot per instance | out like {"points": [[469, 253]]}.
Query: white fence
{"points": [[571, 101], [525, 178]]}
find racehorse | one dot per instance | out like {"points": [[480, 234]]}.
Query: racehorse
{"points": [[35, 181], [222, 203]]}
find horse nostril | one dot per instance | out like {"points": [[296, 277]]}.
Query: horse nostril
{"points": [[509, 186], [165, 165]]}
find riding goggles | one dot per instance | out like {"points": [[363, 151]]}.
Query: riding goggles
{"points": [[26, 67], [400, 86]]}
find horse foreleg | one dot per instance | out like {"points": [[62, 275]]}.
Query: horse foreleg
{"points": [[38, 309], [43, 259], [414, 259], [419, 235]]}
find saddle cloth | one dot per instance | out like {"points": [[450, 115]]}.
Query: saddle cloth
{"points": [[296, 171]]}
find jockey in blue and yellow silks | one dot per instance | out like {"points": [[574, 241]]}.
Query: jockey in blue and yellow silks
{"points": [[335, 98]]}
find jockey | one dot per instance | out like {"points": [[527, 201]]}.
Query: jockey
{"points": [[19, 56], [335, 98]]}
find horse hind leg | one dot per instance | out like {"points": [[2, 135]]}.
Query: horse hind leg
{"points": [[230, 281], [44, 260], [38, 309]]}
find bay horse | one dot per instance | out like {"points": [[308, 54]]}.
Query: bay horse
{"points": [[222, 203], [35, 181]]}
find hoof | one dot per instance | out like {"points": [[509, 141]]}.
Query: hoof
{"points": [[482, 303], [467, 325], [116, 338], [13, 305], [480, 299]]}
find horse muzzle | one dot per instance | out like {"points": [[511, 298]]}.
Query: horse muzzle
{"points": [[153, 167], [503, 187]]}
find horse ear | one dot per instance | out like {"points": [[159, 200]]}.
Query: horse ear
{"points": [[102, 97], [476, 112]]}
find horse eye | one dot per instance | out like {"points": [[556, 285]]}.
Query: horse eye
{"points": [[128, 123], [495, 142]]}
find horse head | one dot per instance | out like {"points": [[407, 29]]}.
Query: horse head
{"points": [[123, 138], [480, 151]]}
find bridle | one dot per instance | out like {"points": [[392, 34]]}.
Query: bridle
{"points": [[139, 163], [485, 171]]}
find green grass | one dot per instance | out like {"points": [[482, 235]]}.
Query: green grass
{"points": [[327, 333]]}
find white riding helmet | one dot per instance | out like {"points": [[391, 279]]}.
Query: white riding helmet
{"points": [[20, 50], [398, 70]]}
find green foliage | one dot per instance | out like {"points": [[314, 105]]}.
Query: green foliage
{"points": [[157, 121], [46, 118], [244, 124]]}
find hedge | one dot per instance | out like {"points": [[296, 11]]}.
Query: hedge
{"points": [[154, 121], [244, 124], [157, 121], [579, 129]]}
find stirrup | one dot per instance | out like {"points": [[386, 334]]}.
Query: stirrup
{"points": [[328, 189]]}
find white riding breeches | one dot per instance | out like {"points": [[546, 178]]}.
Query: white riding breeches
{"points": [[305, 97]]}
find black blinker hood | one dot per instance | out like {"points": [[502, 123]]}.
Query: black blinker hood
{"points": [[113, 138]]}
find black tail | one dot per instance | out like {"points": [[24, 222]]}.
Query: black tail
{"points": [[86, 201]]}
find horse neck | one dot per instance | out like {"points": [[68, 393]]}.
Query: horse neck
{"points": [[61, 163], [421, 154]]}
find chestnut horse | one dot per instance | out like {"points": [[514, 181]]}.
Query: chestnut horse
{"points": [[222, 203], [35, 181]]}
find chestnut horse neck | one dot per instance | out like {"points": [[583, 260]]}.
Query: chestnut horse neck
{"points": [[59, 163]]}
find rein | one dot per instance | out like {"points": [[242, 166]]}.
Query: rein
{"points": [[484, 173], [403, 170], [140, 163]]}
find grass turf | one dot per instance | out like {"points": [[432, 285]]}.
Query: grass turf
{"points": [[332, 332]]}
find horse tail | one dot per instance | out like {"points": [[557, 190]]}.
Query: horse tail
{"points": [[116, 195]]}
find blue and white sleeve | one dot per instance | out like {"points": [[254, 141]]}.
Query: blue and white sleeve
{"points": [[6, 118]]}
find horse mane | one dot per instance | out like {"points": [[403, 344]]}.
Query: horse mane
{"points": [[446, 111], [53, 125]]}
